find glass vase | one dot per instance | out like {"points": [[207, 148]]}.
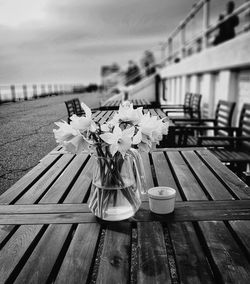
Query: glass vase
{"points": [[116, 187]]}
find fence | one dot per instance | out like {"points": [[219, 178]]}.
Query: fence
{"points": [[13, 93]]}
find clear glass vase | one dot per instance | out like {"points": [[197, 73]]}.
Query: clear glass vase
{"points": [[116, 188]]}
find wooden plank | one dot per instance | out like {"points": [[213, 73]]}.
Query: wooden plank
{"points": [[40, 263], [163, 173], [242, 229], [55, 150], [231, 263], [191, 261], [58, 188], [77, 261], [213, 186], [99, 116], [161, 113], [80, 213], [223, 205], [43, 208], [15, 248], [5, 231], [189, 185], [114, 263], [45, 181], [80, 187], [106, 117], [143, 215], [147, 169], [152, 254], [153, 112], [238, 187], [27, 180], [63, 218]]}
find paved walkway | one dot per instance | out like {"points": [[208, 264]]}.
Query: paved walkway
{"points": [[26, 133]]}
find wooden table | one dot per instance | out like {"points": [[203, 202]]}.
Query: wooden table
{"points": [[48, 235], [114, 104]]}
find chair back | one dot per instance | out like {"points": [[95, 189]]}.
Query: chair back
{"points": [[187, 102], [223, 116], [244, 126], [70, 107], [196, 106], [77, 104]]}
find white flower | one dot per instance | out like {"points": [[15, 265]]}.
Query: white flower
{"points": [[76, 145], [152, 127], [65, 132], [119, 140], [127, 113], [83, 123]]}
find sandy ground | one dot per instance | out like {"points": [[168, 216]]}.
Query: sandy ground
{"points": [[26, 133]]}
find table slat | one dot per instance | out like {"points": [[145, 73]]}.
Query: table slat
{"points": [[238, 187], [152, 254], [163, 172], [38, 267], [225, 252], [77, 261], [114, 261], [212, 185], [14, 250], [189, 185], [56, 191], [45, 181], [27, 180], [191, 261]]}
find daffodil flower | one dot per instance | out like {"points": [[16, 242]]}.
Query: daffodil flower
{"points": [[119, 140], [83, 123], [127, 114], [65, 132]]}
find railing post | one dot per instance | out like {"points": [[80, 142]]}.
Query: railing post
{"points": [[163, 53], [13, 93], [34, 91], [206, 14], [157, 90], [170, 49], [25, 94], [183, 40]]}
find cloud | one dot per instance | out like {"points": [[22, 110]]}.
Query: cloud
{"points": [[70, 40]]}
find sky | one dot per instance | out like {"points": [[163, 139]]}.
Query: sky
{"points": [[67, 41]]}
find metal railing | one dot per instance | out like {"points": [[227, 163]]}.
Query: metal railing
{"points": [[202, 40], [17, 92]]}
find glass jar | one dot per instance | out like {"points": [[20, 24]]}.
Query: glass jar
{"points": [[116, 187]]}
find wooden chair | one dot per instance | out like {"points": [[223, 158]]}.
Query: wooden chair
{"points": [[238, 156], [179, 107], [191, 113], [196, 135], [74, 107]]}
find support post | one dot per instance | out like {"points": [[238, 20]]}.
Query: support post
{"points": [[206, 14]]}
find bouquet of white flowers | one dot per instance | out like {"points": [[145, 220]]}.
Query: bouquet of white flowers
{"points": [[111, 142]]}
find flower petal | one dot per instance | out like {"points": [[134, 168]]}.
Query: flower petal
{"points": [[109, 138], [87, 110]]}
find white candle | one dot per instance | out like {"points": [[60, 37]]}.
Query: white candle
{"points": [[161, 199]]}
